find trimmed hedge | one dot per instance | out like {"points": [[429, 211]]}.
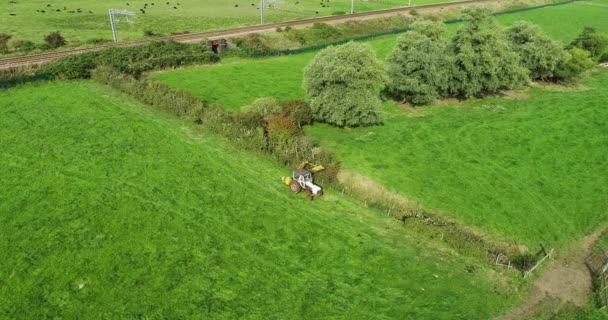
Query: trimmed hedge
{"points": [[180, 103], [132, 60]]}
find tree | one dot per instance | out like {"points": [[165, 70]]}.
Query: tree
{"points": [[576, 62], [4, 42], [343, 83], [538, 53], [54, 40], [591, 41], [418, 66], [483, 61]]}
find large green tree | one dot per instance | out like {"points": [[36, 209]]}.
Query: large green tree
{"points": [[418, 66], [538, 53], [483, 61], [343, 83]]}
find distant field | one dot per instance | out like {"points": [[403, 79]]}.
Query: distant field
{"points": [[111, 210], [534, 171], [163, 17], [281, 77]]}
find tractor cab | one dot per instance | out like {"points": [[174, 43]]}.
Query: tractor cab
{"points": [[303, 178]]}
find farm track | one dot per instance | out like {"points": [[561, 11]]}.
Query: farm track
{"points": [[37, 59]]}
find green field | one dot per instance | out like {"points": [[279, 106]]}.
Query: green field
{"points": [[244, 80], [30, 23], [530, 170], [111, 210]]}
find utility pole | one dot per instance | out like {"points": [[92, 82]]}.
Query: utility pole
{"points": [[409, 4], [113, 20], [262, 5], [352, 6]]}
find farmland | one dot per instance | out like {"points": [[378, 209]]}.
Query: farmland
{"points": [[85, 21], [111, 210], [527, 168]]}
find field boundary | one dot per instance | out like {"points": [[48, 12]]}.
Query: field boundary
{"points": [[392, 32]]}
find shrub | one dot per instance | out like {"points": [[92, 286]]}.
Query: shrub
{"points": [[591, 41], [576, 62], [324, 32], [296, 36], [523, 261], [298, 111], [73, 66], [538, 53], [54, 40], [263, 106], [21, 45], [253, 43], [4, 42], [342, 84], [417, 67], [483, 61]]}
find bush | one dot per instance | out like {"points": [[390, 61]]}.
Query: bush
{"points": [[342, 85], [538, 53], [253, 43], [591, 41], [54, 40], [21, 45], [4, 42], [523, 261], [483, 61], [324, 32], [576, 62], [298, 111], [417, 67], [263, 106]]}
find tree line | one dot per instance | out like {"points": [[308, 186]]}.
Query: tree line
{"points": [[344, 84]]}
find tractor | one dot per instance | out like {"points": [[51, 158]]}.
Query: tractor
{"points": [[303, 179]]}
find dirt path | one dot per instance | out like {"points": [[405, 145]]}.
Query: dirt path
{"points": [[565, 280]]}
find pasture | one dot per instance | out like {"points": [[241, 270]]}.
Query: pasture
{"points": [[109, 209], [528, 168], [85, 21], [281, 77]]}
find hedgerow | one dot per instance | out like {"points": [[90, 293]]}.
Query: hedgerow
{"points": [[132, 60]]}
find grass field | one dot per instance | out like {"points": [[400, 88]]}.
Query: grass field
{"points": [[532, 172], [163, 17], [281, 77], [111, 210], [529, 168]]}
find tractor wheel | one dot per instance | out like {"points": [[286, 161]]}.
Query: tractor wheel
{"points": [[295, 187]]}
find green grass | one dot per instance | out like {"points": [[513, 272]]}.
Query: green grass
{"points": [[237, 82], [190, 15], [244, 80], [111, 210], [528, 169], [533, 172]]}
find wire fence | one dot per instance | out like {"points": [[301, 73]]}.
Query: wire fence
{"points": [[388, 33]]}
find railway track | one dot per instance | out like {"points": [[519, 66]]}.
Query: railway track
{"points": [[38, 59]]}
